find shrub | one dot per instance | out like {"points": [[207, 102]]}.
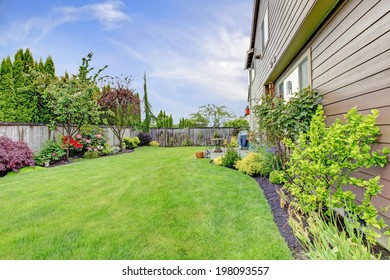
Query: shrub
{"points": [[327, 157], [14, 155], [278, 119], [230, 158], [254, 163], [274, 177], [115, 149], [218, 161], [144, 139], [91, 137], [51, 151], [91, 154], [154, 144], [131, 143], [107, 149], [233, 142], [238, 123], [186, 142], [136, 140], [75, 146]]}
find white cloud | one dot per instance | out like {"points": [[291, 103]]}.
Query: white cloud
{"points": [[110, 14], [190, 64]]}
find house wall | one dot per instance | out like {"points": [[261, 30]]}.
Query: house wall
{"points": [[349, 61], [285, 18], [351, 67]]}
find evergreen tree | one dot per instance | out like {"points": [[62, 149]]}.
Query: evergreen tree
{"points": [[148, 108], [170, 121], [49, 66], [28, 61], [26, 98], [7, 92], [41, 66]]}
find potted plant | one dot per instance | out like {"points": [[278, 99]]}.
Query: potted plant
{"points": [[199, 154]]}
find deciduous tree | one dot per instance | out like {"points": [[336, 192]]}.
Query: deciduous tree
{"points": [[73, 101], [120, 106]]}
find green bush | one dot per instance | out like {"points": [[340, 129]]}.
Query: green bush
{"points": [[218, 161], [233, 142], [326, 157], [131, 143], [238, 123], [279, 119], [136, 140], [91, 154], [154, 144], [107, 149], [51, 151], [275, 177], [254, 164], [230, 158], [186, 142]]}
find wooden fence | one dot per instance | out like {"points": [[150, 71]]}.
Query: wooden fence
{"points": [[35, 134], [175, 137]]}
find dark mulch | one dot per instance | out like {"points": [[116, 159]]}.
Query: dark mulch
{"points": [[69, 161], [280, 217]]}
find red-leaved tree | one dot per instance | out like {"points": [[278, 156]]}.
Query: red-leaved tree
{"points": [[120, 107]]}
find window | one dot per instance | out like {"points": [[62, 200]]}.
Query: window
{"points": [[295, 79], [264, 30]]}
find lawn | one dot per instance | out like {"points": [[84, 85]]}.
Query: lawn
{"points": [[154, 203]]}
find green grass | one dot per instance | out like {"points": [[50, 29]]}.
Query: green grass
{"points": [[155, 203]]}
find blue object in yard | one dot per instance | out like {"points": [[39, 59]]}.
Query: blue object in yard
{"points": [[242, 139]]}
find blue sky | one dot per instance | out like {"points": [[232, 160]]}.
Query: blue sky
{"points": [[193, 51]]}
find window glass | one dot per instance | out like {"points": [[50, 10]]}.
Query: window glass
{"points": [[291, 84], [294, 80], [303, 74]]}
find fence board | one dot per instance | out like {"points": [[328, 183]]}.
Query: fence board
{"points": [[35, 134]]}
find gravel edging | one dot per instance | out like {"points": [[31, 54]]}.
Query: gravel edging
{"points": [[280, 217]]}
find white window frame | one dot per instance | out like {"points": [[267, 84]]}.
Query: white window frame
{"points": [[295, 66]]}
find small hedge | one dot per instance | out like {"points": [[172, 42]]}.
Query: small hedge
{"points": [[254, 164], [14, 155], [144, 139]]}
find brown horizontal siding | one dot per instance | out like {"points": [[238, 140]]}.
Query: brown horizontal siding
{"points": [[353, 27], [337, 17], [383, 118], [385, 136], [355, 56], [366, 85], [376, 99], [373, 67]]}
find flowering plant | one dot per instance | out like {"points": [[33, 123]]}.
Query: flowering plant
{"points": [[73, 143], [51, 151], [92, 139]]}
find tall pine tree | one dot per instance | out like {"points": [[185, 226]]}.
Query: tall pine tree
{"points": [[26, 97], [7, 92], [148, 109], [49, 66]]}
